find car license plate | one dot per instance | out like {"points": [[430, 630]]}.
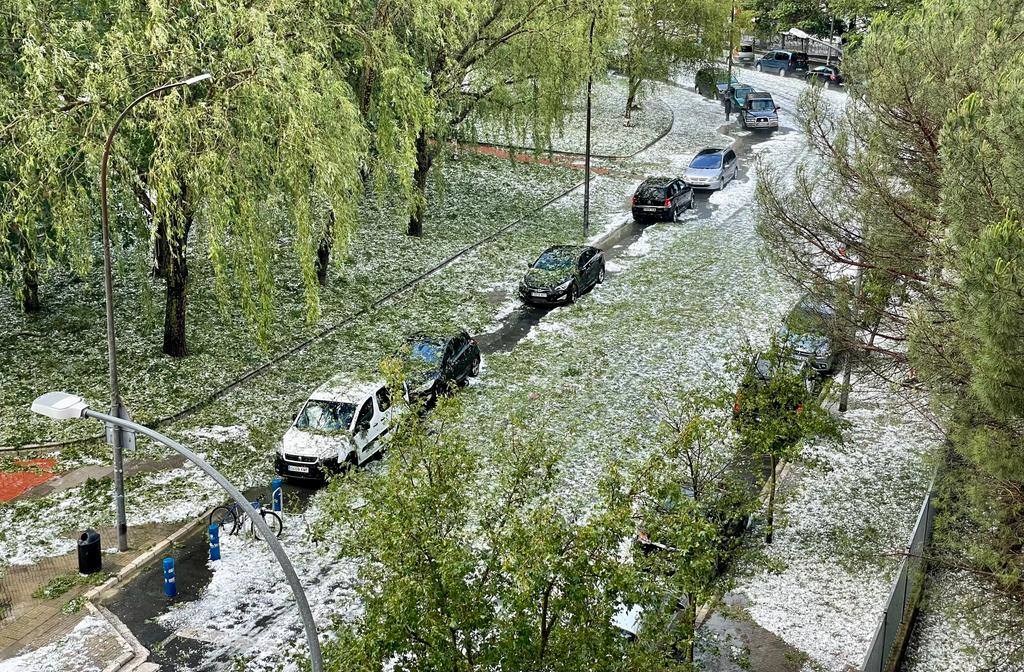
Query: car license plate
{"points": [[298, 469], [649, 209], [540, 294]]}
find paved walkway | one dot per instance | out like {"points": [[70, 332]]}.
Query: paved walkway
{"points": [[34, 624]]}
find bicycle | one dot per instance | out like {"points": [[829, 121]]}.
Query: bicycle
{"points": [[230, 517]]}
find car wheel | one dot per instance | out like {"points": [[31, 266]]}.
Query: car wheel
{"points": [[600, 275], [573, 293], [475, 370], [760, 68], [782, 72], [691, 204]]}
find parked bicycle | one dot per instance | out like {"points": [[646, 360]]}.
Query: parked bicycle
{"points": [[232, 519]]}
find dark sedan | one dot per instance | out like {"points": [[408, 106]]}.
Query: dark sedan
{"points": [[661, 198], [825, 74], [561, 274], [436, 363]]}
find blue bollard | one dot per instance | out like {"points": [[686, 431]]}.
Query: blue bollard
{"points": [[170, 587], [275, 487], [214, 542]]}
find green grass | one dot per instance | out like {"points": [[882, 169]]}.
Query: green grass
{"points": [[59, 585], [65, 347]]}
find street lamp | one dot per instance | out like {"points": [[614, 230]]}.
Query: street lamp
{"points": [[64, 406], [117, 437]]}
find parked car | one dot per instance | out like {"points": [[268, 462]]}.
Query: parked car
{"points": [[825, 74], [561, 274], [341, 425], [810, 329], [661, 198], [739, 95], [759, 111], [759, 372], [711, 82], [745, 54], [436, 363], [783, 62], [712, 168]]}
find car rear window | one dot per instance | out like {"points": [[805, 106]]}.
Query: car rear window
{"points": [[650, 191], [747, 48]]}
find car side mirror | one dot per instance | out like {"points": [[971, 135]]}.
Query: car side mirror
{"points": [[777, 108]]}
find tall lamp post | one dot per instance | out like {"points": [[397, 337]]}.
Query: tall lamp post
{"points": [[120, 437], [63, 406], [586, 160]]}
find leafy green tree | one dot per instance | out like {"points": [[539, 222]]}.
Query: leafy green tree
{"points": [[475, 567], [776, 413], [659, 36], [519, 63], [693, 501], [920, 193], [274, 131]]}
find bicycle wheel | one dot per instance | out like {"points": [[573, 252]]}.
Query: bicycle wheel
{"points": [[224, 518], [272, 520]]}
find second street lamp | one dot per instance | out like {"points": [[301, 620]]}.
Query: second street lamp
{"points": [[117, 437]]}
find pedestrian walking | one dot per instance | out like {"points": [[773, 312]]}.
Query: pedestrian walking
{"points": [[728, 102]]}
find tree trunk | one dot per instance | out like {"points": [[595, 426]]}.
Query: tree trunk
{"points": [[323, 251], [634, 88], [176, 282], [424, 160], [691, 617], [30, 293], [161, 250], [771, 502]]}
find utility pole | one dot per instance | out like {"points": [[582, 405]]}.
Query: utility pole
{"points": [[732, 23], [586, 160], [844, 392], [120, 436]]}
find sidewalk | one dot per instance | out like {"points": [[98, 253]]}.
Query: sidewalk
{"points": [[37, 633]]}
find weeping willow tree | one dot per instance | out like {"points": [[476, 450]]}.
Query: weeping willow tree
{"points": [[521, 62], [274, 137], [661, 35], [46, 177]]}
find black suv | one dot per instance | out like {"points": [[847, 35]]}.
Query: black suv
{"points": [[661, 198], [436, 363], [561, 274], [810, 330]]}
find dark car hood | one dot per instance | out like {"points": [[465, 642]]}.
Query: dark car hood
{"points": [[540, 278]]}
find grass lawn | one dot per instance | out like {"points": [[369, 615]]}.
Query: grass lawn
{"points": [[476, 195]]}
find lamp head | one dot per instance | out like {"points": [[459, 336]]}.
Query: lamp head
{"points": [[60, 406], [198, 78]]}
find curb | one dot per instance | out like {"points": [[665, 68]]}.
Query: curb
{"points": [[579, 155], [135, 653], [377, 303]]}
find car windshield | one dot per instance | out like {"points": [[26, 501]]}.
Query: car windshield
{"points": [[809, 317], [556, 260], [425, 350], [762, 105], [707, 161], [326, 416]]}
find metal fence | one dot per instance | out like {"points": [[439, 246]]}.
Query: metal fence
{"points": [[899, 609]]}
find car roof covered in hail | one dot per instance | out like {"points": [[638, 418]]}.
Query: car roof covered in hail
{"points": [[344, 388]]}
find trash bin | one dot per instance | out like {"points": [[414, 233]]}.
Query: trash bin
{"points": [[90, 559]]}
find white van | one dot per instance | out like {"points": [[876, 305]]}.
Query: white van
{"points": [[342, 424]]}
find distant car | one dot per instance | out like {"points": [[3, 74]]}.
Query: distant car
{"points": [[711, 82], [783, 62], [661, 198], [712, 168], [339, 426], [561, 274], [759, 112], [810, 329], [436, 363], [745, 54], [825, 74]]}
